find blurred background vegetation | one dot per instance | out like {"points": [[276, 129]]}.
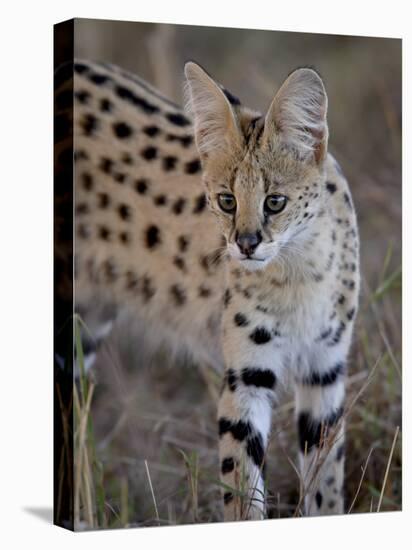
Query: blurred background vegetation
{"points": [[151, 444]]}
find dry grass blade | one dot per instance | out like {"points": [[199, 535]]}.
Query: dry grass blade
{"points": [[395, 437], [192, 469], [363, 468], [152, 491], [81, 464], [124, 500], [364, 386]]}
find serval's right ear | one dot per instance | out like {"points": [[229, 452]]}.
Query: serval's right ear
{"points": [[215, 122]]}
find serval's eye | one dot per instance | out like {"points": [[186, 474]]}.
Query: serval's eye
{"points": [[227, 202], [275, 204]]}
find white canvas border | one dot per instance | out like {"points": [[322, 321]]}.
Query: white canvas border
{"points": [[26, 274]]}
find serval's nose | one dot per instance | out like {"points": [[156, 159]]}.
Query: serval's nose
{"points": [[248, 242]]}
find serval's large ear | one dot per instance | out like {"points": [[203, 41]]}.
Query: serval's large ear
{"points": [[215, 122], [297, 115]]}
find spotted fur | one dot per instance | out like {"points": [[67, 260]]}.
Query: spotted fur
{"points": [[151, 238]]}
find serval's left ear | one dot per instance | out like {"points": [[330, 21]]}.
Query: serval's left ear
{"points": [[215, 121], [297, 115]]}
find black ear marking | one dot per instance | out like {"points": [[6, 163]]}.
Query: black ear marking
{"points": [[233, 100]]}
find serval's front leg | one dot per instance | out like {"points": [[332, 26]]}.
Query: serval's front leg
{"points": [[319, 408], [245, 415]]}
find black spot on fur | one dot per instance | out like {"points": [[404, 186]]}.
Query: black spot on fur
{"points": [[169, 163], [204, 291], [227, 498], [239, 430], [178, 206], [200, 204], [122, 130], [87, 181], [325, 379], [325, 334], [124, 237], [160, 200], [231, 379], [119, 177], [186, 141], [139, 102], [255, 450], [337, 334], [261, 378], [104, 233], [124, 212], [151, 131], [193, 166], [149, 153], [228, 465], [350, 285], [152, 236], [205, 263], [99, 79], [329, 263], [319, 499], [89, 124], [110, 271], [82, 208], [127, 159], [106, 106], [311, 431], [260, 336], [240, 320], [331, 187], [227, 297], [178, 119], [148, 290], [82, 97], [351, 314], [141, 186], [80, 68], [348, 200], [179, 263], [178, 294], [183, 243], [131, 280], [106, 165], [331, 504]]}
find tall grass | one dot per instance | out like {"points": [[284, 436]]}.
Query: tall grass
{"points": [[174, 478]]}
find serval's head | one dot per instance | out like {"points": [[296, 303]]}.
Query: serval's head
{"points": [[263, 174]]}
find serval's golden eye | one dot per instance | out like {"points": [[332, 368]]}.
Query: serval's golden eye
{"points": [[275, 204], [227, 202]]}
